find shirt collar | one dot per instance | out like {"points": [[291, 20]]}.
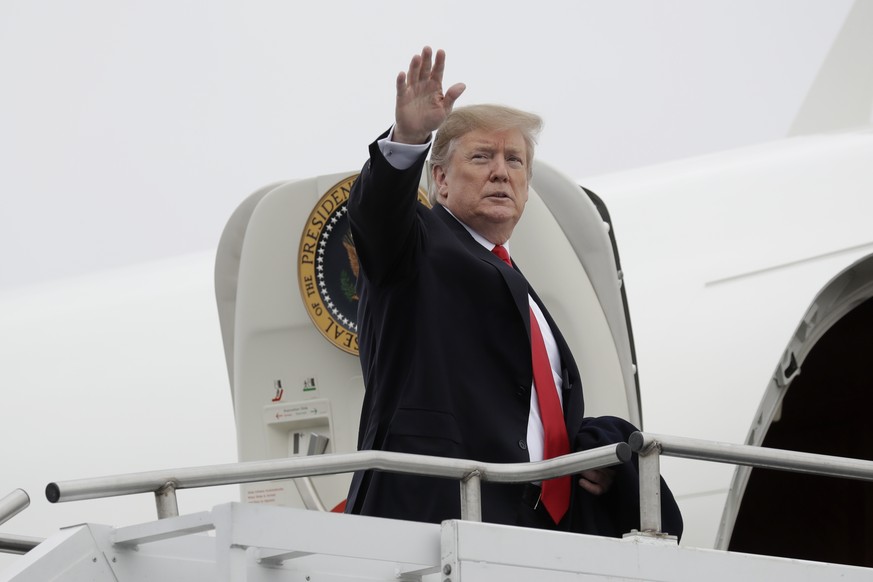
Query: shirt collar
{"points": [[478, 237]]}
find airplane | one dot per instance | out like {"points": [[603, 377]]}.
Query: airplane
{"points": [[800, 276], [755, 267]]}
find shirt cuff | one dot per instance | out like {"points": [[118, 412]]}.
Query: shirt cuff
{"points": [[401, 156]]}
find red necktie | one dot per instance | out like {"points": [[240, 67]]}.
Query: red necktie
{"points": [[556, 492]]}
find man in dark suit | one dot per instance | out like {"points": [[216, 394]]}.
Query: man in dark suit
{"points": [[460, 357]]}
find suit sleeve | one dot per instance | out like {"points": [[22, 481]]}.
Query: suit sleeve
{"points": [[383, 217], [617, 511]]}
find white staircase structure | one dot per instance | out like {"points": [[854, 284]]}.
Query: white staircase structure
{"points": [[246, 542], [257, 542]]}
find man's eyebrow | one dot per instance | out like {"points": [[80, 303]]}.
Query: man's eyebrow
{"points": [[491, 146]]}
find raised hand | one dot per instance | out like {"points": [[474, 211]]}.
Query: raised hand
{"points": [[421, 104]]}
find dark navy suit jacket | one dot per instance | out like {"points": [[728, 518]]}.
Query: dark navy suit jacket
{"points": [[444, 335]]}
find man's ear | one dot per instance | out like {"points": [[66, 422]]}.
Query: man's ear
{"points": [[438, 175]]}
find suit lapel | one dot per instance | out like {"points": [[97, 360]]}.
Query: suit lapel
{"points": [[515, 281]]}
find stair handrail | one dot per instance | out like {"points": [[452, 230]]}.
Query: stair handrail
{"points": [[164, 483], [651, 446], [10, 506], [13, 504]]}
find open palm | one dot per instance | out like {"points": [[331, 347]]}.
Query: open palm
{"points": [[421, 104]]}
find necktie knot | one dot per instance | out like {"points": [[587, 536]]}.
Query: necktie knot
{"points": [[502, 253]]}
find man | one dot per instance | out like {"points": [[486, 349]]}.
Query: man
{"points": [[460, 358]]}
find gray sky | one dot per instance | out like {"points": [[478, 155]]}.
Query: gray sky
{"points": [[129, 131]]}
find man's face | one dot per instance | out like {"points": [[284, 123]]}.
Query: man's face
{"points": [[485, 182]]}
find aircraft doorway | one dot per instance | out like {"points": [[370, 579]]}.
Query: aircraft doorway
{"points": [[826, 410]]}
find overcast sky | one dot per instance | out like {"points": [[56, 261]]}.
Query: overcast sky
{"points": [[129, 131]]}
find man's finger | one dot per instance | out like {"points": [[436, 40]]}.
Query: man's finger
{"points": [[596, 481], [452, 95], [414, 69], [426, 54], [439, 65], [401, 82], [591, 487]]}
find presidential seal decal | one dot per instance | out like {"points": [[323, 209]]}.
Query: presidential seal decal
{"points": [[327, 268]]}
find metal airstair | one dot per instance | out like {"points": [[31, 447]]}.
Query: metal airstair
{"points": [[251, 542]]}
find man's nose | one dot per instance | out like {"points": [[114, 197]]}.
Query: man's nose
{"points": [[499, 169]]}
